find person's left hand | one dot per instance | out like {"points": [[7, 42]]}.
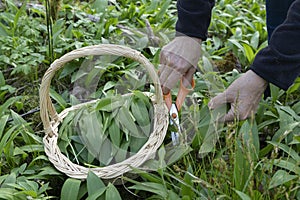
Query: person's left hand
{"points": [[179, 60], [243, 95]]}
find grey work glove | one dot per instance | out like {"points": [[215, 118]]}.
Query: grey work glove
{"points": [[243, 95], [178, 60]]}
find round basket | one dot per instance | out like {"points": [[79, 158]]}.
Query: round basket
{"points": [[51, 119]]}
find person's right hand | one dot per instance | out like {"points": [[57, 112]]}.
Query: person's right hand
{"points": [[243, 95], [178, 60]]}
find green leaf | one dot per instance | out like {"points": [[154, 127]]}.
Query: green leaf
{"points": [[25, 128], [70, 189], [163, 9], [174, 154], [100, 5], [109, 85], [106, 153], [4, 107], [281, 177], [186, 188], [110, 104], [141, 114], [246, 153], [95, 186], [18, 15], [242, 195], [8, 193], [137, 143], [255, 40], [124, 118], [3, 121], [295, 87], [249, 52], [8, 137], [122, 152], [291, 152], [10, 179], [237, 44], [288, 165], [155, 188], [2, 79], [112, 193], [115, 133], [4, 31], [91, 131], [63, 104]]}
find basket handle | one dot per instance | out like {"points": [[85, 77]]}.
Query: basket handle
{"points": [[47, 108]]}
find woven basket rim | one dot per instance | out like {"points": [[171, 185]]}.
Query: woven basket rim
{"points": [[51, 119]]}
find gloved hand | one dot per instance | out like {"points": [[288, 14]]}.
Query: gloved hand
{"points": [[179, 59], [243, 95]]}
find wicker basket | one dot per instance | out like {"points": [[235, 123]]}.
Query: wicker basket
{"points": [[51, 119]]}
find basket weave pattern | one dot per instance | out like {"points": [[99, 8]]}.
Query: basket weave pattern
{"points": [[51, 119]]}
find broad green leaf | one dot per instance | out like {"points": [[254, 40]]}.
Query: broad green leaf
{"points": [[91, 131], [2, 79], [138, 95], [69, 68], [25, 128], [281, 177], [249, 52], [58, 98], [237, 44], [3, 121], [295, 87], [112, 192], [173, 195], [141, 114], [110, 104], [163, 9], [100, 5], [122, 152], [18, 15], [8, 193], [124, 118], [186, 188], [48, 171], [289, 111], [94, 185], [291, 152], [109, 85], [296, 108], [242, 195], [106, 153], [8, 137], [4, 31], [10, 179], [255, 40], [4, 107], [43, 188], [246, 153], [250, 138], [288, 165], [155, 188], [209, 141], [115, 134], [137, 143], [70, 189], [174, 154], [146, 175]]}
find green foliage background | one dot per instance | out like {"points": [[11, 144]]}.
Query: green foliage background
{"points": [[252, 159]]}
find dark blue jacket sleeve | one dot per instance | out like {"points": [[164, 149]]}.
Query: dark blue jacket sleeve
{"points": [[279, 63], [194, 17]]}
